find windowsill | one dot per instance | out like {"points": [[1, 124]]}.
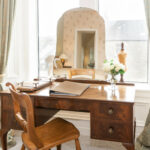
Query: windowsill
{"points": [[142, 92], [142, 86]]}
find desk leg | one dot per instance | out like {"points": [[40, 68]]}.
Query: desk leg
{"points": [[128, 146], [4, 139]]}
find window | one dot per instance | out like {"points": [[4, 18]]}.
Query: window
{"points": [[49, 13], [125, 22]]}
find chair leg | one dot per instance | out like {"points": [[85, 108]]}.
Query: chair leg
{"points": [[22, 147], [77, 144], [59, 147]]}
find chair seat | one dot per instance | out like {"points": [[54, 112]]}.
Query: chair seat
{"points": [[54, 133]]}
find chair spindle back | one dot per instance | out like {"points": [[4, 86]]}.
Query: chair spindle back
{"points": [[23, 100]]}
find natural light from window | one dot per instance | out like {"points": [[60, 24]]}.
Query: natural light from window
{"points": [[49, 13], [125, 22]]}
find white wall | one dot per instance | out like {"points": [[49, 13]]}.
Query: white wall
{"points": [[142, 104], [89, 3]]}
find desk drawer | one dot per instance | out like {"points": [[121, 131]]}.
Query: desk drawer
{"points": [[111, 130], [115, 111]]}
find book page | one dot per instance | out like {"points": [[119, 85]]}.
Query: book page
{"points": [[69, 88]]}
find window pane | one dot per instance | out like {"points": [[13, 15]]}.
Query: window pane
{"points": [[49, 13], [126, 30], [136, 58], [122, 9], [125, 22]]}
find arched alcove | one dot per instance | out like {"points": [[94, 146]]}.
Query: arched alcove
{"points": [[81, 32]]}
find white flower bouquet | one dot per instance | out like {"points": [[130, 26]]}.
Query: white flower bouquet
{"points": [[113, 68]]}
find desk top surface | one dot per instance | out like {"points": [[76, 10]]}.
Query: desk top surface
{"points": [[122, 93], [102, 92]]}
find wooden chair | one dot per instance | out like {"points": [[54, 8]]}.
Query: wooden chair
{"points": [[89, 72], [44, 137]]}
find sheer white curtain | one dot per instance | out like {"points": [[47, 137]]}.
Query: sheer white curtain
{"points": [[23, 60]]}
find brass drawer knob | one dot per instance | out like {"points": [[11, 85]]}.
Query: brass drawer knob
{"points": [[110, 111], [110, 130]]}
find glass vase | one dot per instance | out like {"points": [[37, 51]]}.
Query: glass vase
{"points": [[113, 82]]}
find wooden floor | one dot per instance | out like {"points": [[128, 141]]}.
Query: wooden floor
{"points": [[86, 142]]}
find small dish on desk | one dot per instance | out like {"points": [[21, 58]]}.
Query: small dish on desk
{"points": [[30, 86]]}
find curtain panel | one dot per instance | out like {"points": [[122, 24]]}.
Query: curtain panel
{"points": [[147, 12], [7, 9]]}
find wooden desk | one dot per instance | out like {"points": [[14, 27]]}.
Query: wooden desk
{"points": [[111, 114]]}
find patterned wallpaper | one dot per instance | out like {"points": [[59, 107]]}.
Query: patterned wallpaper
{"points": [[80, 19]]}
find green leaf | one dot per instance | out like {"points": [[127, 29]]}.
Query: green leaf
{"points": [[121, 71], [105, 61]]}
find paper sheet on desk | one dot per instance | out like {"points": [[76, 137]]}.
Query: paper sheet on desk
{"points": [[69, 88]]}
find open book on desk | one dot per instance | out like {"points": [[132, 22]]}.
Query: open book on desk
{"points": [[69, 88]]}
